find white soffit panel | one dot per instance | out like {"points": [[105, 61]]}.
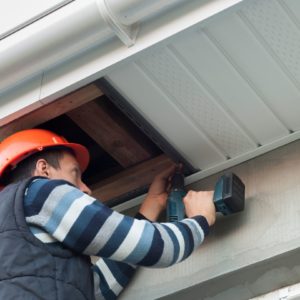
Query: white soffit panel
{"points": [[224, 91], [165, 116]]}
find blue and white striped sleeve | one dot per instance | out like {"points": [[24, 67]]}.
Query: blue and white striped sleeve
{"points": [[111, 277], [87, 226]]}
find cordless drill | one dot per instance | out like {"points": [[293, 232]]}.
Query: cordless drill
{"points": [[229, 196]]}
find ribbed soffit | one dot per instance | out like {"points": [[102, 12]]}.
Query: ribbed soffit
{"points": [[225, 91]]}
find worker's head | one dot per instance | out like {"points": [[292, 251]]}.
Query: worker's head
{"points": [[38, 152]]}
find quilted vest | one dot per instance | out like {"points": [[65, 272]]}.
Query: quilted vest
{"points": [[30, 269]]}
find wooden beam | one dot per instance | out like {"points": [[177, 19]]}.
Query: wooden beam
{"points": [[102, 122], [130, 179], [52, 110]]}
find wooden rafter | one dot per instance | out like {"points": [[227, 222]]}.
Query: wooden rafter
{"points": [[110, 132], [52, 110], [130, 179]]}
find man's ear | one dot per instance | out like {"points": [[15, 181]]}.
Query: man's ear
{"points": [[42, 168]]}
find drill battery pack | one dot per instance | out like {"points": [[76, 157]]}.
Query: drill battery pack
{"points": [[229, 195]]}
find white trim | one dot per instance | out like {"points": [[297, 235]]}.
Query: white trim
{"points": [[219, 167]]}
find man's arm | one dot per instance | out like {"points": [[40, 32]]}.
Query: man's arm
{"points": [[196, 203], [87, 226], [111, 277]]}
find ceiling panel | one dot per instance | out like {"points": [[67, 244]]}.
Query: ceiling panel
{"points": [[230, 87], [225, 88], [165, 117], [292, 7], [171, 75], [277, 30], [259, 68]]}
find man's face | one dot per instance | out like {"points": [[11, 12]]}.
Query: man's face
{"points": [[69, 170]]}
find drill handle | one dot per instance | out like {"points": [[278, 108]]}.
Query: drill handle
{"points": [[175, 207]]}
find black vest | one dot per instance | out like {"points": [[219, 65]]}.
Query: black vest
{"points": [[30, 269]]}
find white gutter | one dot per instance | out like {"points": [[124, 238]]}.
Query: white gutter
{"points": [[70, 30], [81, 42]]}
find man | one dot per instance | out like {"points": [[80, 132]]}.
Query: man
{"points": [[50, 225]]}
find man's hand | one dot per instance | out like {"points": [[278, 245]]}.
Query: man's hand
{"points": [[200, 203], [156, 200]]}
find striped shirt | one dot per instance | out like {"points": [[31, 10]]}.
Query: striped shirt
{"points": [[57, 212]]}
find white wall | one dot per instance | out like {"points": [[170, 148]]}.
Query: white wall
{"points": [[245, 255]]}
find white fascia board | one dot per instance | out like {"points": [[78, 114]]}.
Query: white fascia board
{"points": [[20, 101]]}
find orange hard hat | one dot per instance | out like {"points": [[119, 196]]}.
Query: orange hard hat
{"points": [[22, 144]]}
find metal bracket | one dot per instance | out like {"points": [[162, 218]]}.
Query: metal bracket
{"points": [[127, 34]]}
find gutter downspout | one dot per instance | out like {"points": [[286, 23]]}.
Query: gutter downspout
{"points": [[71, 30]]}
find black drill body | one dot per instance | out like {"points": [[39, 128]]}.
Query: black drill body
{"points": [[229, 196]]}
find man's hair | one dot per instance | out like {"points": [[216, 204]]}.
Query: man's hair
{"points": [[26, 167]]}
